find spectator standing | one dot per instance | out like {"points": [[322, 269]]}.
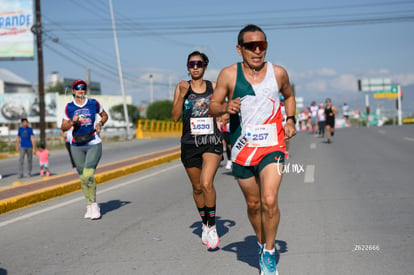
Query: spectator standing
{"points": [[25, 145]]}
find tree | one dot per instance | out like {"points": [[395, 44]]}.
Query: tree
{"points": [[58, 88], [117, 112], [160, 110]]}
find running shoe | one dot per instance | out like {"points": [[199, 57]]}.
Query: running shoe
{"points": [[269, 263], [88, 213], [260, 251], [212, 237], [228, 165], [41, 173], [47, 174], [96, 211], [204, 234]]}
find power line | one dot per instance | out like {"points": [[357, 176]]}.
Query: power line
{"points": [[77, 62], [124, 30]]}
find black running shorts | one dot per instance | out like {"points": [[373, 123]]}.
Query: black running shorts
{"points": [[192, 156]]}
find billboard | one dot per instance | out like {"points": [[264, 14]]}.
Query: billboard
{"points": [[16, 20]]}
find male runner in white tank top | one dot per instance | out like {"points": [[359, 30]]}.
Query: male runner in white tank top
{"points": [[257, 135]]}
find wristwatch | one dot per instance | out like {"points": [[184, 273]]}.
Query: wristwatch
{"points": [[292, 118]]}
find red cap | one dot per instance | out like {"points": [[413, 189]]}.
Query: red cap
{"points": [[76, 82]]}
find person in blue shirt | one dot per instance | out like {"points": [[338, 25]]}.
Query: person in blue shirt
{"points": [[86, 144], [25, 145]]}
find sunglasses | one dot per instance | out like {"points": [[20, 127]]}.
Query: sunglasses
{"points": [[252, 46], [198, 63], [80, 87]]}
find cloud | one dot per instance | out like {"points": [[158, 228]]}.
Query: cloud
{"points": [[326, 72], [322, 72], [377, 73], [403, 79], [316, 86], [344, 82]]}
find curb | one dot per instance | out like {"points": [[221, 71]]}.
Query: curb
{"points": [[43, 194]]}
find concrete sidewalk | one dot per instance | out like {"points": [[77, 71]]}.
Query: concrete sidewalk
{"points": [[19, 196]]}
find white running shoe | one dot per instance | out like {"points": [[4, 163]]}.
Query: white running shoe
{"points": [[88, 213], [96, 211], [228, 165], [204, 234], [212, 237]]}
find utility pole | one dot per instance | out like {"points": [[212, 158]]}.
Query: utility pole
{"points": [[38, 32]]}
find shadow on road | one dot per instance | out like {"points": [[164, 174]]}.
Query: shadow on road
{"points": [[247, 252], [6, 176], [112, 205], [227, 172]]}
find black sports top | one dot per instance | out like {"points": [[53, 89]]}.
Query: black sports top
{"points": [[329, 111], [196, 106]]}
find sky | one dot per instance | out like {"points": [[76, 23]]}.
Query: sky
{"points": [[325, 46]]}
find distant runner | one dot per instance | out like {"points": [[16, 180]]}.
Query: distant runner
{"points": [[330, 112]]}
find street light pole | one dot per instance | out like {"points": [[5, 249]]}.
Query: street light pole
{"points": [[151, 88], [399, 106], [121, 79]]}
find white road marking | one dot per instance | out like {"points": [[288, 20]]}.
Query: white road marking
{"points": [[309, 174], [382, 132], [38, 212], [313, 146], [408, 138]]}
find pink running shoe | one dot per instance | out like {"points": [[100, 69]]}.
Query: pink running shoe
{"points": [[212, 237]]}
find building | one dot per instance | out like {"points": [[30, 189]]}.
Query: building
{"points": [[10, 83], [94, 88]]}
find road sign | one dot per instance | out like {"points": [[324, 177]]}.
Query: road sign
{"points": [[299, 102], [392, 93], [375, 84]]}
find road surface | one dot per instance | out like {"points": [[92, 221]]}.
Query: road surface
{"points": [[346, 208]]}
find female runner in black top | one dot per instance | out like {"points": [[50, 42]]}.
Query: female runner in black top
{"points": [[201, 146]]}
